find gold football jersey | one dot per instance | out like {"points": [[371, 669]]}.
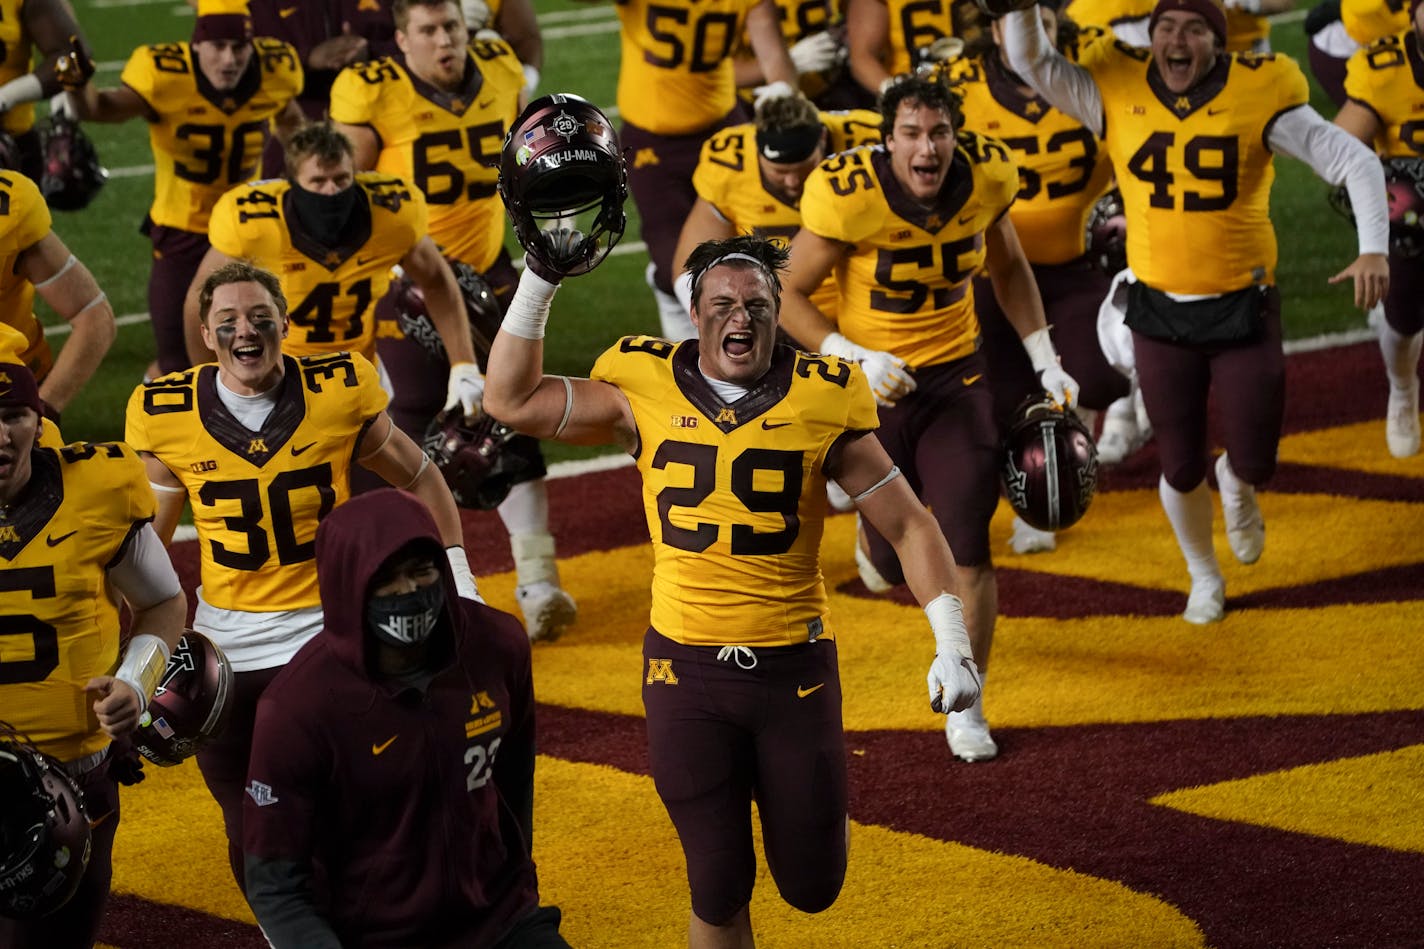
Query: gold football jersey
{"points": [[1369, 20], [1244, 30], [257, 496], [735, 494], [1194, 170], [447, 145], [24, 221], [1108, 13], [676, 73], [331, 291], [1063, 168], [916, 24], [206, 141], [60, 615], [906, 284], [1386, 77], [15, 53], [728, 177]]}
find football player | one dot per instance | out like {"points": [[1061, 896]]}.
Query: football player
{"points": [[1385, 83], [1339, 29], [890, 38], [1063, 170], [1193, 136], [33, 258], [515, 22], [49, 28], [734, 436], [814, 34], [332, 235], [437, 118], [905, 226], [209, 105], [75, 529], [261, 444]]}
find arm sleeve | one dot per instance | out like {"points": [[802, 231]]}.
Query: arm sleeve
{"points": [[144, 574], [280, 893], [1338, 157], [1067, 86]]}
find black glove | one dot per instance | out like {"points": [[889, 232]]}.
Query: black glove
{"points": [[75, 66], [561, 252]]}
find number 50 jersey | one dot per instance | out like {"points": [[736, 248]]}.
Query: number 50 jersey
{"points": [[735, 494], [257, 496]]}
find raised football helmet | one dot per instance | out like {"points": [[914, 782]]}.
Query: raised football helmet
{"points": [[561, 160], [481, 308], [1107, 234], [1050, 465], [44, 832], [72, 175], [191, 705], [473, 458], [1404, 187]]}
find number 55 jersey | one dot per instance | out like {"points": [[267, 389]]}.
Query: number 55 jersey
{"points": [[735, 493]]}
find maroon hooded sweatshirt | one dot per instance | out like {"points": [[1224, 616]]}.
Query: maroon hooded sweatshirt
{"points": [[388, 813]]}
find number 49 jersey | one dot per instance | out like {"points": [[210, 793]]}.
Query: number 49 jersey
{"points": [[257, 496], [60, 621], [1194, 169], [206, 141], [735, 494]]}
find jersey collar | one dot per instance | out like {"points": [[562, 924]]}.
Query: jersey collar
{"points": [[1183, 104]]}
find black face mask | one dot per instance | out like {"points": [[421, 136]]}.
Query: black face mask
{"points": [[404, 619], [325, 217]]}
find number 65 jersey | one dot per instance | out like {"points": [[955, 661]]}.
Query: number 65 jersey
{"points": [[735, 494], [258, 496]]}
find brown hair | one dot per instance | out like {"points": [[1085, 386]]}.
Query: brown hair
{"points": [[239, 271]]}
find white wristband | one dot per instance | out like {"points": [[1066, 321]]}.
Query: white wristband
{"points": [[529, 310], [464, 580], [946, 616], [837, 345], [1040, 350], [21, 89], [145, 660]]}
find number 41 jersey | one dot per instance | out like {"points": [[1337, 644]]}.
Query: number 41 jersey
{"points": [[257, 496], [735, 494]]}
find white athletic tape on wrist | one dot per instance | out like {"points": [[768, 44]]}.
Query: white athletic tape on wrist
{"points": [[1040, 350], [529, 310], [465, 585], [145, 660], [946, 615]]}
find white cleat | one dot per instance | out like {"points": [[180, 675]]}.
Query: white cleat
{"points": [[1028, 539], [1245, 528], [1207, 602], [1401, 422], [1118, 440], [548, 610], [968, 734]]}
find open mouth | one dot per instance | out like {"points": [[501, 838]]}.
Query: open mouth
{"points": [[247, 355], [1178, 68], [926, 176], [738, 344]]}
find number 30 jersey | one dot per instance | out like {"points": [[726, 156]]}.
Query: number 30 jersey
{"points": [[257, 496], [735, 494], [206, 141], [83, 504]]}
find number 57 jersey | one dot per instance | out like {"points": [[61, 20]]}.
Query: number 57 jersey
{"points": [[735, 493]]}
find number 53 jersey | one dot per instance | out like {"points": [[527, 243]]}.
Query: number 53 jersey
{"points": [[735, 494], [258, 496]]}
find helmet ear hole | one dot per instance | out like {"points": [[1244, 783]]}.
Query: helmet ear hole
{"points": [[1050, 467]]}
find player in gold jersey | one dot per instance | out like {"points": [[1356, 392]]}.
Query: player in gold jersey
{"points": [[1385, 83], [74, 537], [438, 119], [1192, 134], [734, 437], [890, 38], [34, 259], [261, 444], [27, 27], [905, 226], [209, 105]]}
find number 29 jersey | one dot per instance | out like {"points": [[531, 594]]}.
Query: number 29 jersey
{"points": [[257, 496], [735, 494], [82, 506]]}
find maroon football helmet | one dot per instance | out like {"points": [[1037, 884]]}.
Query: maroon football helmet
{"points": [[191, 705], [474, 458], [72, 175], [1050, 465], [1107, 234], [561, 159], [1404, 186], [44, 832], [481, 308]]}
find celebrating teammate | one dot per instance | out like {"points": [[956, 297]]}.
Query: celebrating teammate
{"points": [[1193, 134]]}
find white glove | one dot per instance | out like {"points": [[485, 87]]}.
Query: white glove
{"points": [[954, 681], [889, 377], [476, 13], [1060, 386], [467, 387], [816, 53], [772, 90]]}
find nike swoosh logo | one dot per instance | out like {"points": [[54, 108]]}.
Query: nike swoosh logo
{"points": [[377, 749], [1214, 111], [297, 451], [966, 220], [769, 425], [286, 12], [95, 823], [54, 541], [363, 261], [802, 693], [970, 380], [486, 105]]}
